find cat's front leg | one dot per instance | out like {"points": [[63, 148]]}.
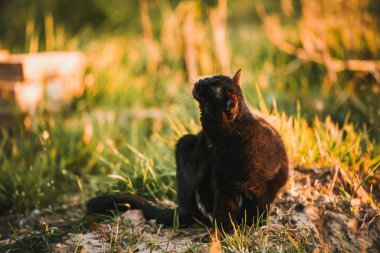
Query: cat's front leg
{"points": [[226, 209], [193, 170]]}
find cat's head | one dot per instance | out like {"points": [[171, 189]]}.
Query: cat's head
{"points": [[219, 96]]}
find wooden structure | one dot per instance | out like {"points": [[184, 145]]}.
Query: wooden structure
{"points": [[28, 80]]}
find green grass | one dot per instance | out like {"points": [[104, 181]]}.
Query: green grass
{"points": [[130, 153], [120, 136], [269, 239]]}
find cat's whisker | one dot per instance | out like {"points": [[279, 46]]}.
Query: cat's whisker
{"points": [[186, 97]]}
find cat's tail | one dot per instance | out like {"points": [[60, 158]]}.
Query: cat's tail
{"points": [[123, 202]]}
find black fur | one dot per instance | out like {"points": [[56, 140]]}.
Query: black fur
{"points": [[231, 171]]}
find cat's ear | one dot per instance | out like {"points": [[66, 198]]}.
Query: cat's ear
{"points": [[231, 103], [236, 77]]}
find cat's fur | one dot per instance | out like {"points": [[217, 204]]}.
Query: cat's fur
{"points": [[231, 171]]}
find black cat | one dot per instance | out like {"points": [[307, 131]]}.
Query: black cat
{"points": [[231, 171]]}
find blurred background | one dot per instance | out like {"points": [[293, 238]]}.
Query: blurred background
{"points": [[316, 58]]}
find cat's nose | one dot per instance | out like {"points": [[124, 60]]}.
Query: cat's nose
{"points": [[195, 93], [196, 90]]}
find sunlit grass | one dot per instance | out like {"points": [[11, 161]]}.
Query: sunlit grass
{"points": [[120, 136], [127, 125]]}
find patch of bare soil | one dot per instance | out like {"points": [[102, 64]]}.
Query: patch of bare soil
{"points": [[312, 212], [338, 223], [133, 234]]}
